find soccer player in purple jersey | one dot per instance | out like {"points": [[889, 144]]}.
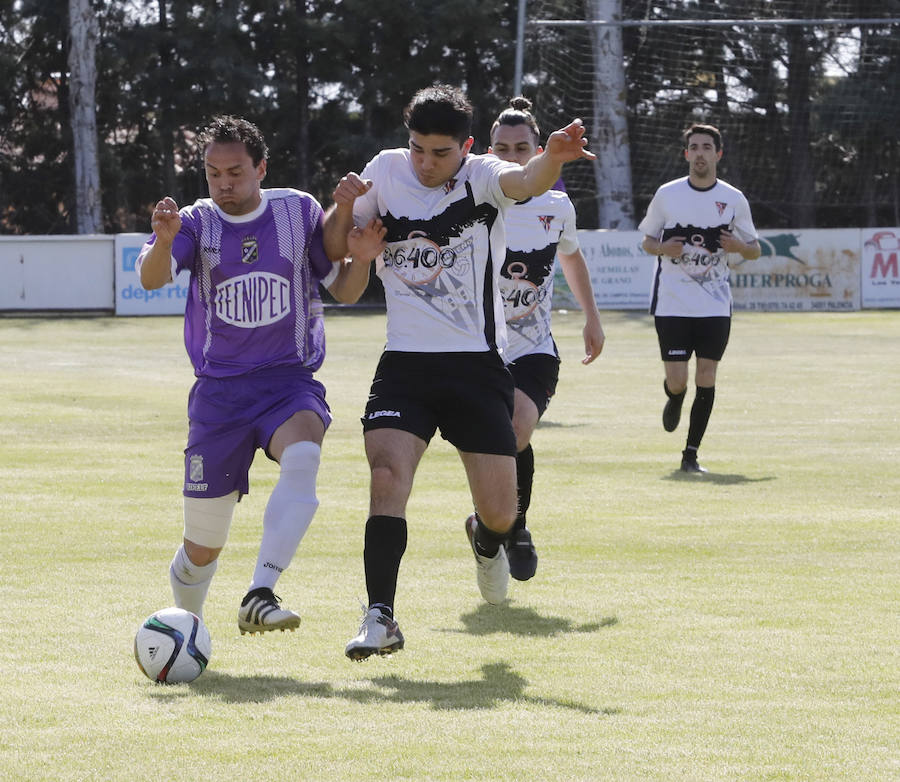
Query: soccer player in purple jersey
{"points": [[255, 335]]}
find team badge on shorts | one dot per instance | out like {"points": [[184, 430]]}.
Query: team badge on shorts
{"points": [[195, 468], [249, 250]]}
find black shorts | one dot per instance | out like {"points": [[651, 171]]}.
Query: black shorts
{"points": [[469, 396], [536, 376], [679, 337]]}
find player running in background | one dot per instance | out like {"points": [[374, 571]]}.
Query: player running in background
{"points": [[255, 335], [443, 209], [538, 231], [692, 225]]}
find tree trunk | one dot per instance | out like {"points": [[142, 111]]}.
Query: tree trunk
{"points": [[166, 51], [83, 35], [609, 125], [300, 49]]}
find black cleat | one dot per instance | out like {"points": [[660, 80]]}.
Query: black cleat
{"points": [[689, 464], [521, 554]]}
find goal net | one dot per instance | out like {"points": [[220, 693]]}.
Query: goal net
{"points": [[808, 104]]}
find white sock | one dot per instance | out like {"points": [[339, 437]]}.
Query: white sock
{"points": [[190, 582], [289, 512]]}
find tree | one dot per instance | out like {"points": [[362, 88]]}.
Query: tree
{"points": [[83, 34]]}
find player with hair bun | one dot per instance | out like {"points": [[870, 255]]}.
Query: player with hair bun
{"points": [[539, 231]]}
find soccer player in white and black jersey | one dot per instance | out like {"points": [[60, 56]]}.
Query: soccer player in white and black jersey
{"points": [[443, 365], [254, 332], [539, 231], [692, 226]]}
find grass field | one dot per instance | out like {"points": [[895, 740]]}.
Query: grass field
{"points": [[743, 625]]}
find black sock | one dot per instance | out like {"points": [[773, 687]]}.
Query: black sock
{"points": [[385, 544], [487, 542], [700, 412], [679, 398], [524, 477]]}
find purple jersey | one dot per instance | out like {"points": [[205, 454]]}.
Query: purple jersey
{"points": [[254, 293]]}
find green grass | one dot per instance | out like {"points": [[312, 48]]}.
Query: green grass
{"points": [[742, 625]]}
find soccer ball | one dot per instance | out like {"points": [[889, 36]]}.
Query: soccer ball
{"points": [[172, 645]]}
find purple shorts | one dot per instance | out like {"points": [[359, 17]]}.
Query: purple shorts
{"points": [[231, 417]]}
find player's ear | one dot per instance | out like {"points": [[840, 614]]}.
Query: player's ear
{"points": [[719, 153], [261, 170]]}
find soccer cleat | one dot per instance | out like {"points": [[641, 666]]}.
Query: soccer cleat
{"points": [[260, 613], [689, 464], [672, 411], [521, 554], [492, 574], [378, 634]]}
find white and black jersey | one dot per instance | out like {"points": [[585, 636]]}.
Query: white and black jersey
{"points": [[445, 246], [696, 284], [535, 230]]}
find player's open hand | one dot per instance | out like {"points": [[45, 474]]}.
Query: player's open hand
{"points": [[594, 339], [368, 242], [349, 189], [569, 143], [165, 220]]}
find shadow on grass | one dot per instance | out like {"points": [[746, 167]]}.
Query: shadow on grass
{"points": [[722, 479], [498, 684], [487, 619]]}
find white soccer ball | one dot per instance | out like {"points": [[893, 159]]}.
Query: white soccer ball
{"points": [[172, 645]]}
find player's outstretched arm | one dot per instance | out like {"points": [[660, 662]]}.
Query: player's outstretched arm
{"points": [[575, 271], [339, 218], [364, 244], [156, 263], [541, 172]]}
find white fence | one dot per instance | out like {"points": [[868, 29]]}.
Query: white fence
{"points": [[805, 270]]}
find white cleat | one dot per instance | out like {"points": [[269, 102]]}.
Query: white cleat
{"points": [[377, 635], [492, 574], [260, 613]]}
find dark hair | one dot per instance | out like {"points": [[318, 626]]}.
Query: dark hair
{"points": [[442, 110], [708, 130], [226, 129], [518, 113]]}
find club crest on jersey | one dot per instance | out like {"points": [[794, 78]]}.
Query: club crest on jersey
{"points": [[195, 467], [545, 221], [250, 249], [721, 206], [450, 184]]}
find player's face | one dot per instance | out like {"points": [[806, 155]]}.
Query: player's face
{"points": [[702, 156], [514, 143], [232, 178], [435, 157]]}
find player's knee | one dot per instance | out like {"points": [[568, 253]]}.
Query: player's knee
{"points": [[206, 524], [299, 468], [498, 518]]}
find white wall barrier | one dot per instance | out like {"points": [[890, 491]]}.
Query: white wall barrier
{"points": [[56, 272], [804, 270]]}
